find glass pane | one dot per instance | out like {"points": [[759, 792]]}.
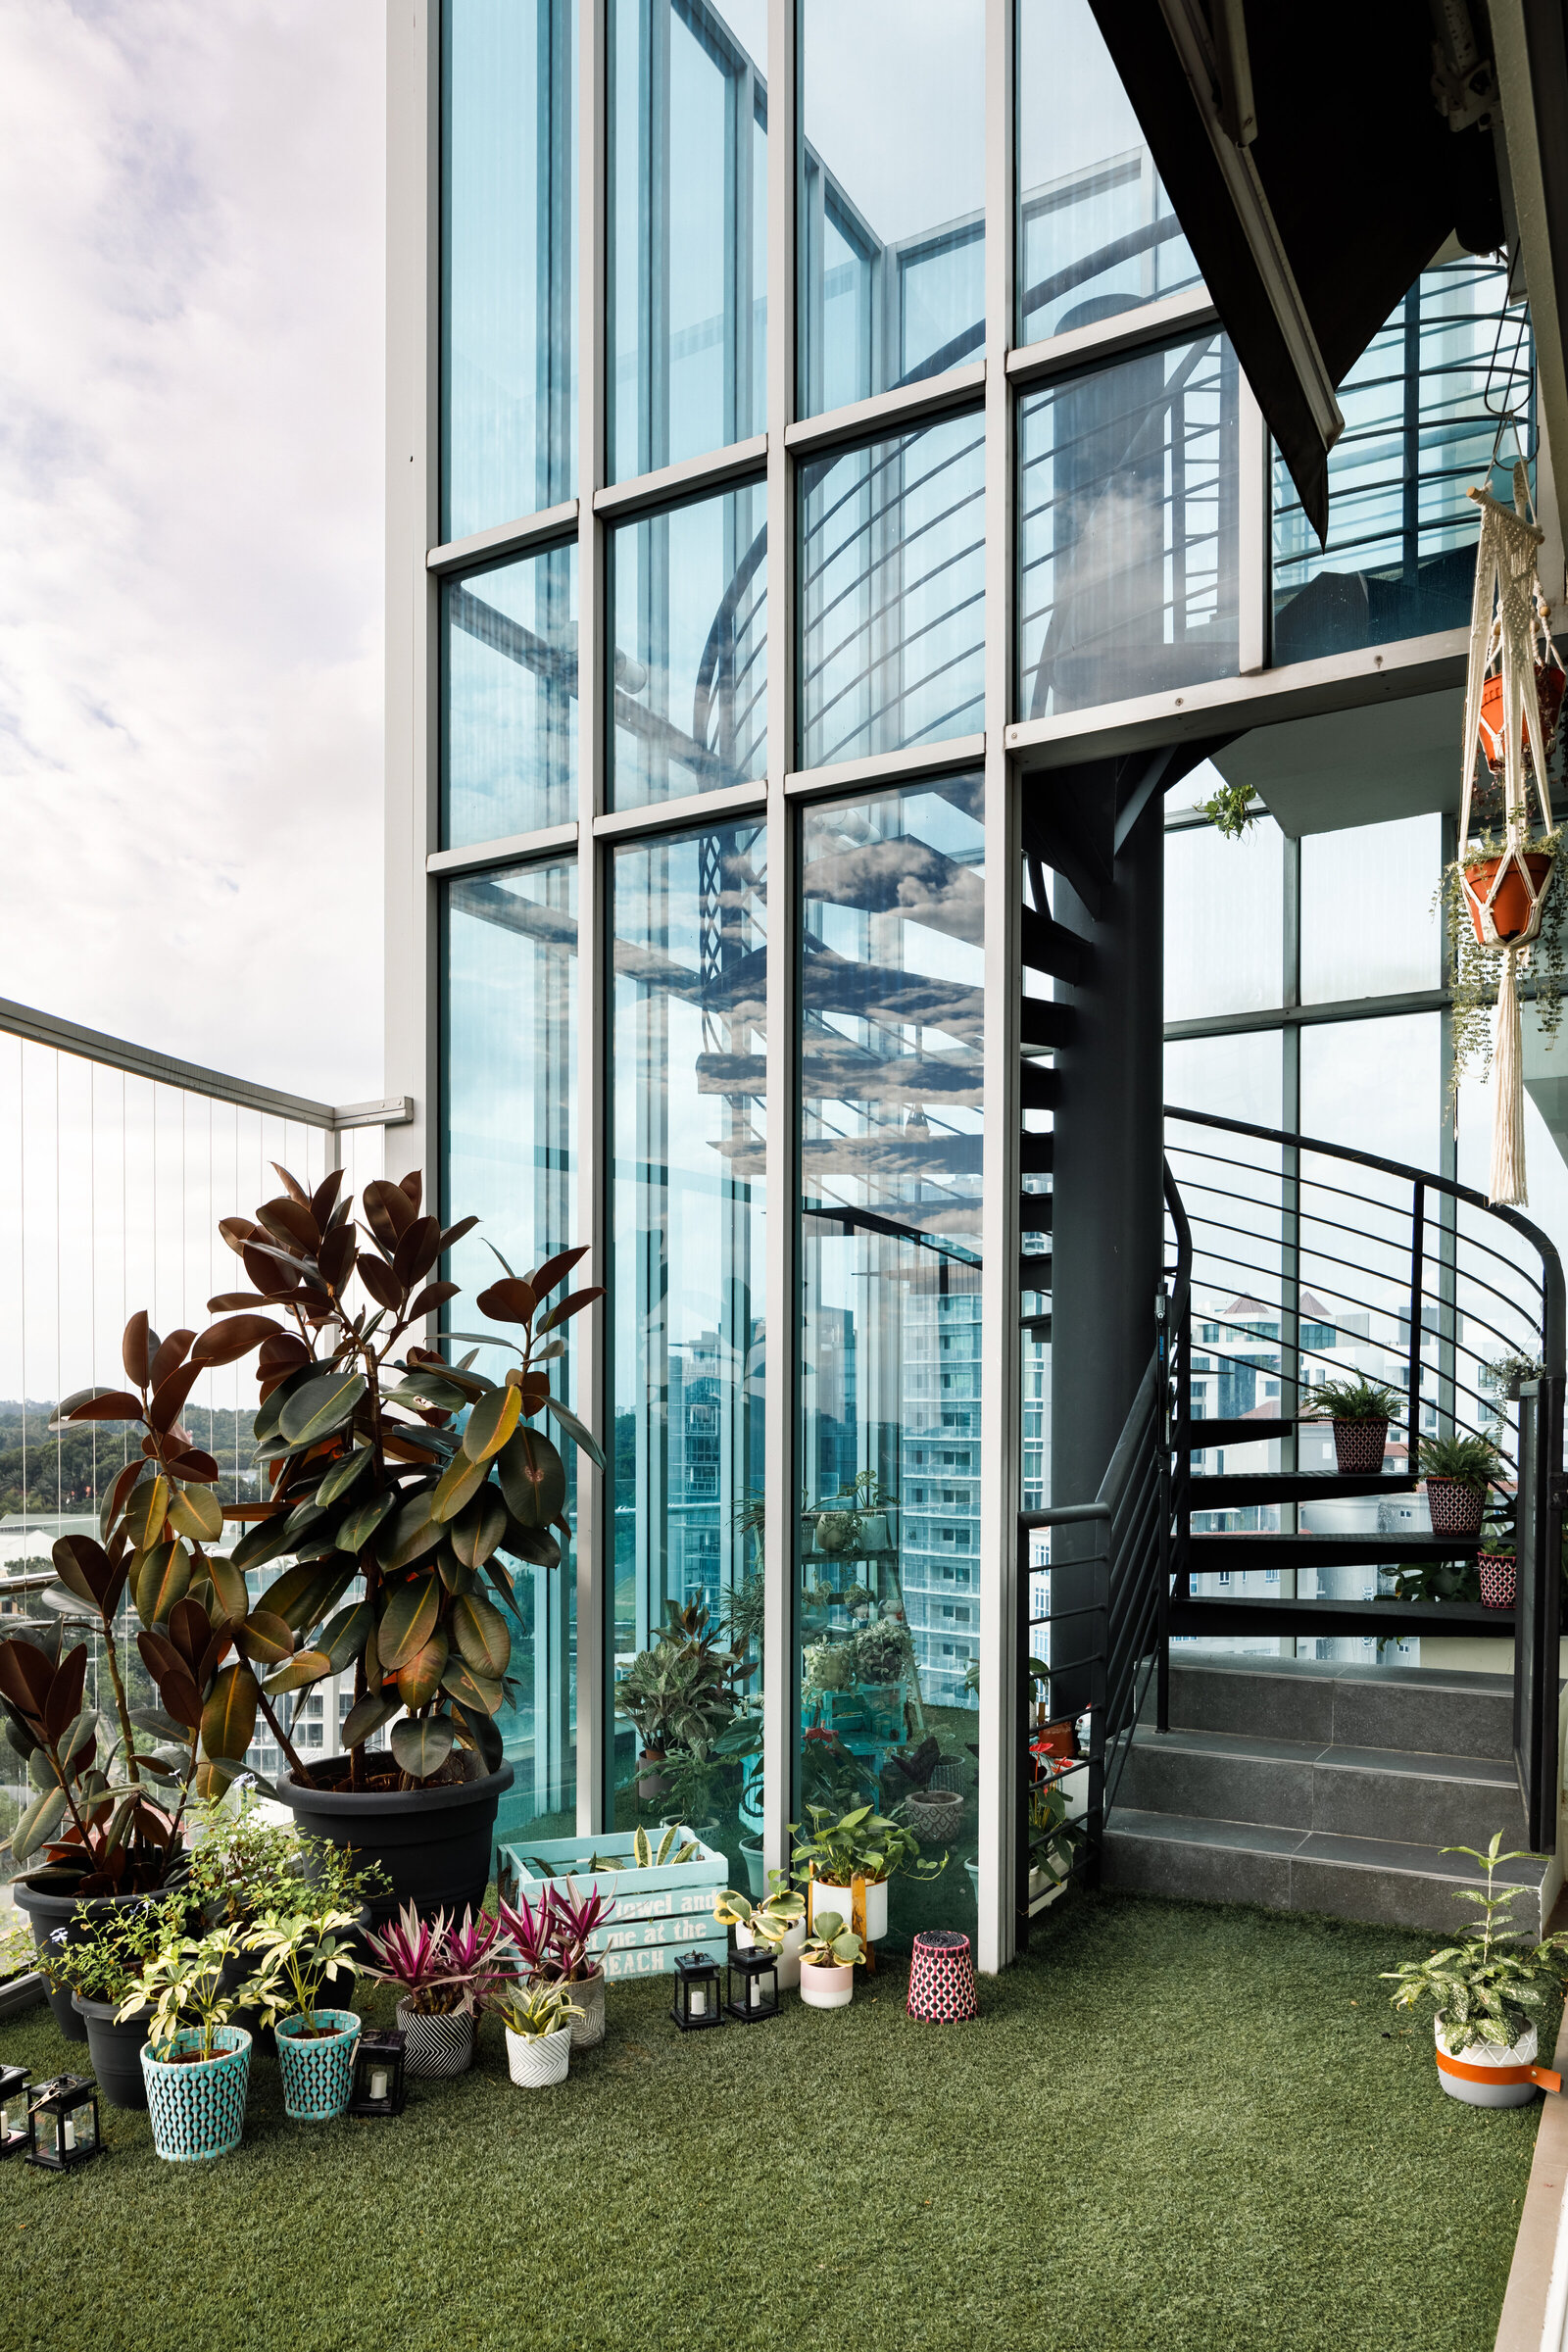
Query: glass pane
{"points": [[687, 266], [509, 661], [688, 587], [893, 593], [1400, 555], [1128, 532], [1096, 231], [892, 1018], [1368, 922], [509, 260], [510, 1064], [688, 1081], [1224, 914], [1497, 1295], [892, 194]]}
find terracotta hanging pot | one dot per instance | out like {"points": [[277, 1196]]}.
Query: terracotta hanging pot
{"points": [[1550, 684], [1512, 915]]}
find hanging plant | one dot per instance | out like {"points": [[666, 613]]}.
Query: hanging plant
{"points": [[1500, 910]]}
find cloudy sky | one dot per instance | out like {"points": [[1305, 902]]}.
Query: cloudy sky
{"points": [[190, 527]]}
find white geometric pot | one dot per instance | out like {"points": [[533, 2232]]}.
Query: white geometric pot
{"points": [[536, 2060], [828, 1988], [1514, 2067], [587, 2030]]}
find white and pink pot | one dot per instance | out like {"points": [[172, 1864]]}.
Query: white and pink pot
{"points": [[828, 1988], [1455, 1507]]}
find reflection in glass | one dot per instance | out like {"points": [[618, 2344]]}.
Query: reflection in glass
{"points": [[1368, 922], [1224, 901], [509, 260], [510, 1062], [1128, 538], [893, 593], [509, 661], [688, 1085], [688, 587], [1096, 231], [890, 194], [891, 1045], [1421, 408], [687, 267]]}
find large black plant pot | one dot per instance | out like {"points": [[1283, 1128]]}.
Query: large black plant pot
{"points": [[48, 1900], [115, 2051], [433, 1843]]}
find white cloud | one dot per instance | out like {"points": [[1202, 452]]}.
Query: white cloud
{"points": [[191, 362]]}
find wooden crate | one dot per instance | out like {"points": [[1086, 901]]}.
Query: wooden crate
{"points": [[658, 1912]]}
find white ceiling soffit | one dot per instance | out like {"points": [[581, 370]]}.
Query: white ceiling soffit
{"points": [[1354, 767]]}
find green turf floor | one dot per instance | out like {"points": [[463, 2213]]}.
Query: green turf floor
{"points": [[1173, 2129]]}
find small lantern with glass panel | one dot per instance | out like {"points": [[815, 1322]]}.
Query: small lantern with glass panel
{"points": [[14, 2100], [752, 1984], [697, 1998], [378, 2085], [65, 2124]]}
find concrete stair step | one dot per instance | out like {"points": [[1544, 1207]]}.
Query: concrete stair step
{"points": [[1411, 1709], [1415, 1797], [1380, 1879]]}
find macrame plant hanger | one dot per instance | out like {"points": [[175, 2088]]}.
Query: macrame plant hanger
{"points": [[1513, 693]]}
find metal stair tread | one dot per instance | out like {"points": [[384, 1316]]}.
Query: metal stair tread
{"points": [[1210, 1549], [1244, 1747], [1317, 1845]]}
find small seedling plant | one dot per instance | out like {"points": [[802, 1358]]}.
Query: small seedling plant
{"points": [[1490, 1989]]}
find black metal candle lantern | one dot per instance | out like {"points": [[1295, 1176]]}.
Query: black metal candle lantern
{"points": [[378, 2085], [63, 2124], [13, 2111], [697, 1998], [752, 1984]]}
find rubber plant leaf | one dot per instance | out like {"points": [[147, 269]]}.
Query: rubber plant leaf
{"points": [[480, 1631], [408, 1620], [321, 1405], [365, 1719], [421, 1747], [533, 1478], [196, 1512], [491, 1423], [228, 1719]]}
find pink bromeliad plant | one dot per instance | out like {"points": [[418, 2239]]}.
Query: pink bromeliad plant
{"points": [[442, 1968]]}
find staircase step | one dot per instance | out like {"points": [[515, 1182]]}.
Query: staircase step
{"points": [[1034, 1270], [1297, 1784], [1229, 1491], [1036, 1154], [1034, 1211], [1044, 1025], [1205, 1434], [1213, 1616], [1330, 1701], [1047, 946], [1039, 1086], [1209, 1552], [1380, 1880]]}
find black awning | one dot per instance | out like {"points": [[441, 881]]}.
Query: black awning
{"points": [[1360, 175]]}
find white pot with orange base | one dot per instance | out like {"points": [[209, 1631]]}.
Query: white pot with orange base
{"points": [[1483, 2076]]}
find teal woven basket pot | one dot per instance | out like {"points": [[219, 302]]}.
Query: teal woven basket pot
{"points": [[198, 2112], [318, 2072]]}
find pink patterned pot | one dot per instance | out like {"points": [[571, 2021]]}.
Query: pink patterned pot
{"points": [[942, 1978], [1500, 1579], [1358, 1447], [1456, 1509]]}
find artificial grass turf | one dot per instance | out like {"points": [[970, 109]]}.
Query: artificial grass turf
{"points": [[1172, 2126]]}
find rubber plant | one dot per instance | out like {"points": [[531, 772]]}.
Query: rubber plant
{"points": [[386, 1467]]}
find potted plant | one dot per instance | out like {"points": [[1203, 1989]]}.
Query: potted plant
{"points": [[881, 1657], [21, 1982], [777, 1921], [98, 1965], [1488, 1993], [934, 1813], [680, 1693], [197, 2077], [1497, 1567], [539, 2020], [301, 1953], [1457, 1473], [861, 1846], [390, 1472], [444, 1974], [551, 1939], [827, 1963], [1360, 1411], [692, 1791]]}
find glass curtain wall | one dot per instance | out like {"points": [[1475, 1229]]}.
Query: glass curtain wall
{"points": [[687, 264], [688, 1085], [1095, 231], [508, 698], [509, 260], [1128, 534], [892, 1012], [890, 195], [509, 1083]]}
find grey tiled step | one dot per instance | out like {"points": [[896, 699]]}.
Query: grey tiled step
{"points": [[1377, 1879], [1302, 1784], [1410, 1708]]}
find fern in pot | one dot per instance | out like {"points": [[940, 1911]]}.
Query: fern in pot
{"points": [[1458, 1474], [1360, 1411], [1488, 1994]]}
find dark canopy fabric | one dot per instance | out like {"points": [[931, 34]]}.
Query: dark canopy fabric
{"points": [[1362, 174]]}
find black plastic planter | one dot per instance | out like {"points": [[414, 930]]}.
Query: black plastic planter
{"points": [[49, 1902], [115, 2051], [433, 1843]]}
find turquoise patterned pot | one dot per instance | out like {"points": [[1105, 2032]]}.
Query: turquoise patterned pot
{"points": [[318, 2072], [197, 2111]]}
